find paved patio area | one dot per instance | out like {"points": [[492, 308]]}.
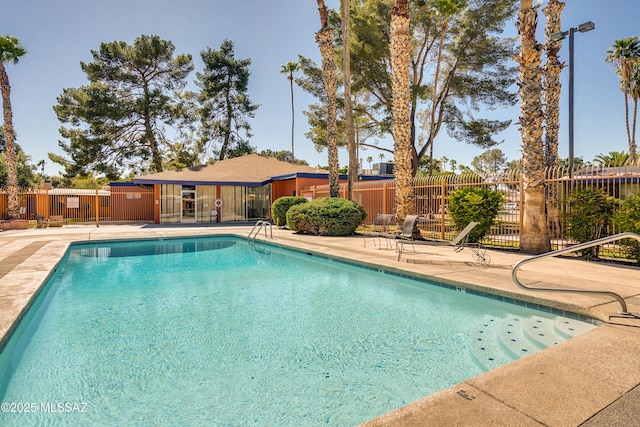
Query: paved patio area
{"points": [[591, 380]]}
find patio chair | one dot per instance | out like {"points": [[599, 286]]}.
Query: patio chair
{"points": [[381, 226], [461, 241], [404, 233]]}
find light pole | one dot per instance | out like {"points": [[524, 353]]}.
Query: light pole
{"points": [[584, 27]]}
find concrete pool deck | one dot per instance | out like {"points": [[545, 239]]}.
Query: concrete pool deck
{"points": [[591, 380]]}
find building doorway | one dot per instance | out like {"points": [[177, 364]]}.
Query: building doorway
{"points": [[188, 204]]}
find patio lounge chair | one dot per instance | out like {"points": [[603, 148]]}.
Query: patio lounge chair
{"points": [[381, 226], [461, 241]]}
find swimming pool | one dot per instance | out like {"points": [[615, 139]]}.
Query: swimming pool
{"points": [[212, 331]]}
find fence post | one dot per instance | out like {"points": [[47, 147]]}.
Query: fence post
{"points": [[443, 190], [97, 203], [522, 208], [384, 198]]}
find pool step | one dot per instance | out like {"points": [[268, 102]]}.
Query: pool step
{"points": [[499, 341]]}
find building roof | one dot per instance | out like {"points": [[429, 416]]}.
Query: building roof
{"points": [[252, 170]]}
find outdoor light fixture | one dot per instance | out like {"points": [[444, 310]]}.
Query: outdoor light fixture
{"points": [[584, 27], [587, 26]]}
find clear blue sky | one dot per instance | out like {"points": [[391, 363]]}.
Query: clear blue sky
{"points": [[59, 34]]}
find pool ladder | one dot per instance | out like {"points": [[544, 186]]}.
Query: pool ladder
{"points": [[260, 225], [627, 235]]}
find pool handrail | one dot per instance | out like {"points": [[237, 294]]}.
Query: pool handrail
{"points": [[580, 246], [261, 224]]}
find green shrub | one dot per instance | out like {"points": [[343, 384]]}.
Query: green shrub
{"points": [[627, 218], [326, 216], [590, 214], [475, 204], [280, 207]]}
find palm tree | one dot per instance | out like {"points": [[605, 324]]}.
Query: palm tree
{"points": [[634, 92], [614, 159], [324, 38], [551, 96], [289, 68], [534, 236], [369, 160], [400, 58], [552, 86], [624, 55], [10, 51]]}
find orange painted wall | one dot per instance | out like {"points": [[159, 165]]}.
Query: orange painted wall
{"points": [[290, 187]]}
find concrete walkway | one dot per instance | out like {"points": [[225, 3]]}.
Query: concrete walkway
{"points": [[591, 380]]}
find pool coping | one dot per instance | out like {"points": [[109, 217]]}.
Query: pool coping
{"points": [[591, 377]]}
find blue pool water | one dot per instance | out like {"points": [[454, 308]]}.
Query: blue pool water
{"points": [[213, 331]]}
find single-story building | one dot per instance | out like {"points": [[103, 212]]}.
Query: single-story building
{"points": [[237, 189]]}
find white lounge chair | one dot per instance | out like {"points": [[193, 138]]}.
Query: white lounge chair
{"points": [[461, 241]]}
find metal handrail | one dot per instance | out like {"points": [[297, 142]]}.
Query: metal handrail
{"points": [[259, 226], [626, 235]]}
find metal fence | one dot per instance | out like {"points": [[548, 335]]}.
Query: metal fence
{"points": [[432, 195]]}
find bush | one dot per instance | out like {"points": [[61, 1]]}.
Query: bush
{"points": [[475, 204], [627, 218], [280, 207], [590, 214], [326, 216]]}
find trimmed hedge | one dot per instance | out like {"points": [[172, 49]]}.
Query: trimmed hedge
{"points": [[627, 218], [591, 213], [327, 216], [475, 204], [280, 207]]}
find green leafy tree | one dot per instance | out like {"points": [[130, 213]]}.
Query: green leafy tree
{"points": [[489, 163], [365, 129], [458, 62], [10, 52], [225, 103], [578, 163], [119, 121]]}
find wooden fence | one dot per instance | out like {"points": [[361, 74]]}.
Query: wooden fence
{"points": [[85, 207]]}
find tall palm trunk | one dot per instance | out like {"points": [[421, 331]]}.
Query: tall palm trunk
{"points": [[13, 208], [551, 94], [324, 38], [351, 138], [634, 93], [534, 236], [293, 118], [400, 53], [552, 86]]}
